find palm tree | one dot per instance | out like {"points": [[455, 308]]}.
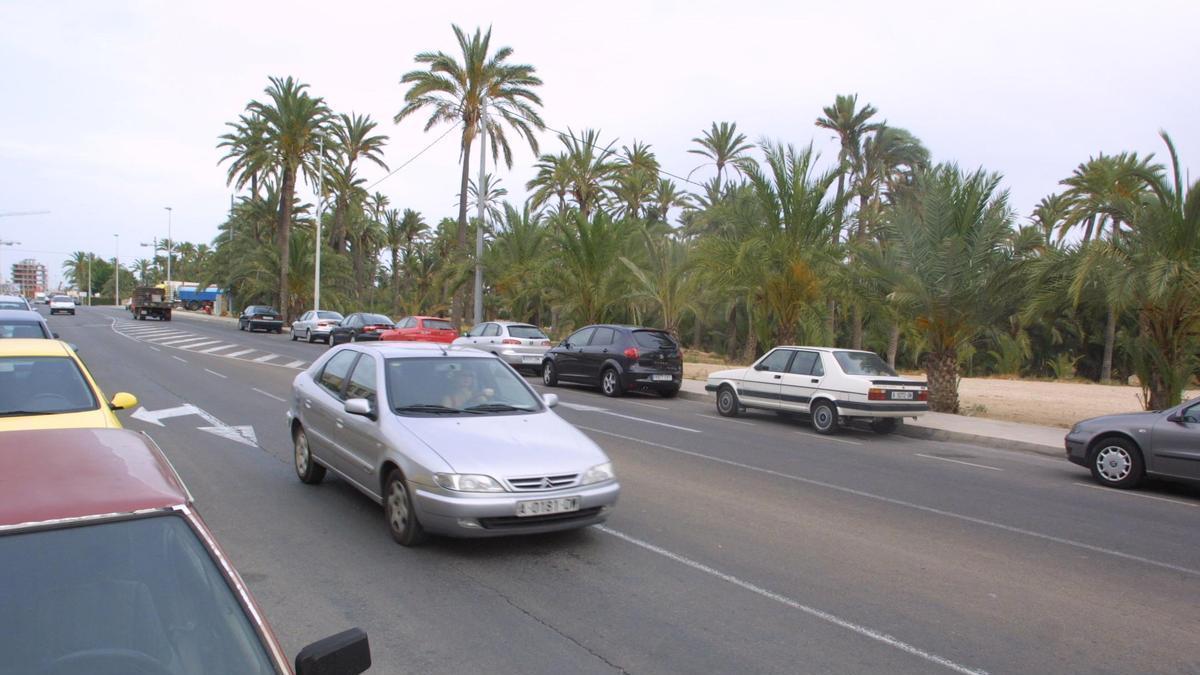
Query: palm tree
{"points": [[143, 267], [723, 145], [552, 180], [291, 123], [459, 93], [248, 151], [354, 141], [518, 261], [75, 268], [952, 257], [665, 280], [851, 125], [589, 284], [492, 194], [587, 171]]}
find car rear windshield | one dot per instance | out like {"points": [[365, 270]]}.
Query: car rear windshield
{"points": [[376, 319], [41, 385], [22, 329], [527, 333], [265, 310], [447, 385], [438, 324], [863, 363], [329, 315], [85, 597], [654, 339], [62, 298]]}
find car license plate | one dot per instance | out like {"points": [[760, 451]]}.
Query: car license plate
{"points": [[531, 359], [542, 507], [661, 377], [268, 318], [902, 396]]}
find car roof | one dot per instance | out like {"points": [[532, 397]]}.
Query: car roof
{"points": [[57, 474], [33, 347], [513, 323], [7, 298], [421, 316], [389, 349], [21, 315], [824, 349]]}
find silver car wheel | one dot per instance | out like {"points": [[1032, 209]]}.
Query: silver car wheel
{"points": [[1113, 463], [397, 507], [302, 453], [608, 383], [822, 418], [726, 402]]}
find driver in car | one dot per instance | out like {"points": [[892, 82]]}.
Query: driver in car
{"points": [[466, 390]]}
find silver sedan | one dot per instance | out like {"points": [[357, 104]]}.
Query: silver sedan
{"points": [[1120, 450], [451, 441], [315, 325], [520, 345]]}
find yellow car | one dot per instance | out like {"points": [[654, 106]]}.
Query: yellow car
{"points": [[44, 385]]}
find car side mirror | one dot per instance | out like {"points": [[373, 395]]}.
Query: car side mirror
{"points": [[359, 406], [347, 653], [550, 400], [566, 344], [761, 367], [123, 401], [1176, 418]]}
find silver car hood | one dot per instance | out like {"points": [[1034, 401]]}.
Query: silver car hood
{"points": [[1124, 419], [507, 445]]}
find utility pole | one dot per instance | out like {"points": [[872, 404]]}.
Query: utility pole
{"points": [[117, 270], [169, 252], [90, 256], [479, 197], [320, 203]]}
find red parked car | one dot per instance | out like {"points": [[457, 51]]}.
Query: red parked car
{"points": [[421, 329], [108, 568]]}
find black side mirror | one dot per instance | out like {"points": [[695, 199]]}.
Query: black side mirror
{"points": [[761, 367], [1176, 418], [347, 653], [566, 344], [54, 335]]}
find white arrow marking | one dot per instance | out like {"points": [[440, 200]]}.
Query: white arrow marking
{"points": [[579, 406], [243, 434], [153, 417]]}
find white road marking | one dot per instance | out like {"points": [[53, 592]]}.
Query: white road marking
{"points": [[155, 348], [183, 343], [717, 417], [647, 405], [264, 359], [184, 337], [148, 331], [269, 395], [216, 349], [899, 502], [957, 461], [165, 334], [605, 411], [864, 631], [200, 344], [243, 434], [178, 359], [236, 354], [1127, 493], [294, 364], [213, 372], [828, 438]]}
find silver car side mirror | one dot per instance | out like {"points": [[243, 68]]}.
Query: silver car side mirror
{"points": [[550, 400], [359, 406]]}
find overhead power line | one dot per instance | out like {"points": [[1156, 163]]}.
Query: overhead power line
{"points": [[22, 213], [414, 157]]}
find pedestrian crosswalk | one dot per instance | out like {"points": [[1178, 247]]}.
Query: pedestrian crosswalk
{"points": [[163, 336]]}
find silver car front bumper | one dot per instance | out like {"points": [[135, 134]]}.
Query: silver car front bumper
{"points": [[493, 515]]}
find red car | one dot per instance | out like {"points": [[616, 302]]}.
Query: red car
{"points": [[421, 329], [108, 568]]}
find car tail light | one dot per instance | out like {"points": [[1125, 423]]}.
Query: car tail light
{"points": [[631, 353], [923, 395], [876, 395], [545, 343], [510, 341]]}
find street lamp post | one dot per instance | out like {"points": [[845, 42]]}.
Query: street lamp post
{"points": [[320, 204], [479, 197], [117, 270], [169, 253], [90, 256]]}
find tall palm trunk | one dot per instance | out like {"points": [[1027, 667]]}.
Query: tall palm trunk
{"points": [[337, 237], [1110, 338], [893, 344], [458, 302], [856, 325], [751, 334], [941, 369], [283, 239]]}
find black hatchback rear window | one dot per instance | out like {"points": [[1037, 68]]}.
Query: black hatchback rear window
{"points": [[654, 339]]}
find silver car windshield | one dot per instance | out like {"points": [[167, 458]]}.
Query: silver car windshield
{"points": [[456, 386]]}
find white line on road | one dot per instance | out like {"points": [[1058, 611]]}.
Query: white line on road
{"points": [[264, 359], [643, 419], [213, 372], [269, 395], [1136, 494], [846, 441], [900, 502], [165, 334], [184, 343], [957, 461], [178, 359], [148, 331], [647, 405], [294, 364], [864, 631], [200, 344], [155, 348], [216, 349], [236, 354], [178, 337], [715, 417]]}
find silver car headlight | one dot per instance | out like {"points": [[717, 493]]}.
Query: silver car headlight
{"points": [[598, 474], [467, 482]]}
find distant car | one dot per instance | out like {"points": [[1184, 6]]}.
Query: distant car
{"points": [[109, 568], [833, 386], [520, 345], [261, 317], [359, 327], [618, 359], [44, 385], [422, 329], [450, 441], [14, 302], [41, 298], [24, 323], [62, 303], [1121, 450], [315, 325]]}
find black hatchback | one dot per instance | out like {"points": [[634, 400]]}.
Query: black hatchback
{"points": [[617, 359], [261, 317]]}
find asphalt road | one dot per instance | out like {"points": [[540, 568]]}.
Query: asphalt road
{"points": [[739, 546]]}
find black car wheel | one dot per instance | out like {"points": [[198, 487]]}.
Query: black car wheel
{"points": [[824, 418], [293, 333], [1117, 463], [397, 507], [727, 402], [610, 383], [549, 374]]}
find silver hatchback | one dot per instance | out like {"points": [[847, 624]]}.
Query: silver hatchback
{"points": [[451, 441], [520, 345]]}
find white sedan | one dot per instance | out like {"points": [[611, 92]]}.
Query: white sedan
{"points": [[62, 303], [833, 386], [520, 345]]}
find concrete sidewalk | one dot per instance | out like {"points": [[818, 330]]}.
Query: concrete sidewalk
{"points": [[957, 428]]}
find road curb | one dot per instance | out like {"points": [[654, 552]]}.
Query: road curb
{"points": [[694, 395], [928, 433]]}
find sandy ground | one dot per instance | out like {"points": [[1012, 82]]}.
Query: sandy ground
{"points": [[1055, 404]]}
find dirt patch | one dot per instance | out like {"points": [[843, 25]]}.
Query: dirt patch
{"points": [[1052, 404]]}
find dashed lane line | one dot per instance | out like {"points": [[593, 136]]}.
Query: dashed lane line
{"points": [[213, 372], [1127, 493], [269, 395], [957, 461], [177, 358], [241, 353]]}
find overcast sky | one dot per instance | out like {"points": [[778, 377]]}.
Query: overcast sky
{"points": [[111, 110]]}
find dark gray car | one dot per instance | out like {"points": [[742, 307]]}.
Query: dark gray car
{"points": [[1121, 450], [24, 323]]}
